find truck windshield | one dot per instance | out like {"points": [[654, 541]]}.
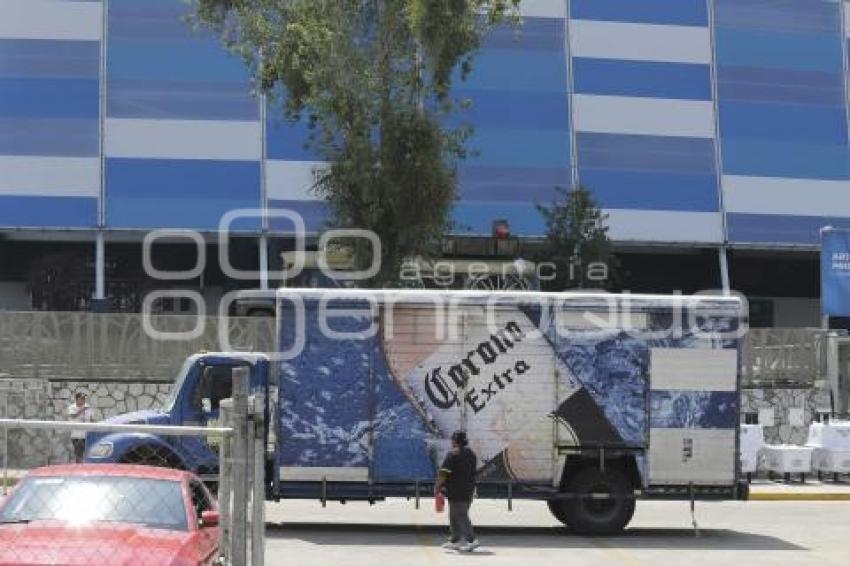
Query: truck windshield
{"points": [[179, 382]]}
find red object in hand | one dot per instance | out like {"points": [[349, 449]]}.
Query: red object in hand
{"points": [[439, 501]]}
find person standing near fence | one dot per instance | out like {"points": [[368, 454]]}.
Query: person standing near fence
{"points": [[79, 411], [457, 476]]}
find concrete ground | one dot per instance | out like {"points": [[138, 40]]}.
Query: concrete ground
{"points": [[394, 532]]}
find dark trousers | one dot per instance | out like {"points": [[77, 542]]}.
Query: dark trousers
{"points": [[79, 449], [461, 526]]}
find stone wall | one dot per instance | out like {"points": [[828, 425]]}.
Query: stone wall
{"points": [[49, 400], [789, 426]]}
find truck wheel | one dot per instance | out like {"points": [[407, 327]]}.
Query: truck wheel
{"points": [[558, 509], [599, 516]]}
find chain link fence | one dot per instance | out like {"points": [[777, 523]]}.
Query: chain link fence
{"points": [[90, 346], [144, 509], [784, 357]]}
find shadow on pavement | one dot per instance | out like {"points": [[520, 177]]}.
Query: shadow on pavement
{"points": [[375, 534]]}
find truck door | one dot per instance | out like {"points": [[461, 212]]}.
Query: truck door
{"points": [[214, 383]]}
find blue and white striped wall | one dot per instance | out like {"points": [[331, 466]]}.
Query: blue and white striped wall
{"points": [[182, 133], [783, 118], [693, 121], [644, 116], [49, 113]]}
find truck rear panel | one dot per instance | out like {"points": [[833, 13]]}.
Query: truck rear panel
{"points": [[379, 381]]}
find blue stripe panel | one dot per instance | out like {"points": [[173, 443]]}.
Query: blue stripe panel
{"points": [[49, 98], [792, 122], [46, 58], [48, 212], [645, 153], [511, 184], [783, 15], [476, 217], [512, 110], [195, 61], [803, 52], [175, 100], [150, 18], [772, 228], [693, 409], [184, 193], [764, 158], [314, 213], [645, 190], [642, 78], [521, 70], [780, 85], [519, 148], [159, 67], [535, 34], [678, 12], [285, 140], [49, 137]]}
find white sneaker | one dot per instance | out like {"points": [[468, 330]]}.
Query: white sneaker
{"points": [[469, 546], [449, 545]]}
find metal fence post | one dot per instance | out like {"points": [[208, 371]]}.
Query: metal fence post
{"points": [[258, 499], [5, 444], [241, 476], [225, 473]]}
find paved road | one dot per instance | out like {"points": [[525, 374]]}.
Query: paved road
{"points": [[393, 532]]}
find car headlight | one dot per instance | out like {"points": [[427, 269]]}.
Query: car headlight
{"points": [[101, 450]]}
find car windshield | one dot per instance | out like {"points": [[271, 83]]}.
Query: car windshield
{"points": [[91, 499], [178, 385]]}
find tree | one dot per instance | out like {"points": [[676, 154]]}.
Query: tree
{"points": [[372, 79], [577, 242]]}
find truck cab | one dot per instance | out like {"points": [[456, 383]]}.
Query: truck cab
{"points": [[203, 381]]}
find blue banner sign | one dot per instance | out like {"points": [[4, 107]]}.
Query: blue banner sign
{"points": [[835, 272]]}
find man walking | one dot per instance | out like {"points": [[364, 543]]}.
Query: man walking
{"points": [[79, 411], [457, 477]]}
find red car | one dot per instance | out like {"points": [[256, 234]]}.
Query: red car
{"points": [[107, 515]]}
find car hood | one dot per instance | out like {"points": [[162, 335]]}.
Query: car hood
{"points": [[147, 416], [108, 545]]}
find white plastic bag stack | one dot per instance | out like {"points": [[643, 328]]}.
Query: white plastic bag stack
{"points": [[752, 441], [831, 445]]}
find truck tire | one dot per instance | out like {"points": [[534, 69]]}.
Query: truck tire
{"points": [[588, 516], [558, 509]]}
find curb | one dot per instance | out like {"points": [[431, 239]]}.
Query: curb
{"points": [[799, 496]]}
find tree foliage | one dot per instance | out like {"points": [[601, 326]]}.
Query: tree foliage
{"points": [[373, 81], [577, 242]]}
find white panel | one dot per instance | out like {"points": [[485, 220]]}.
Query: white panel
{"points": [[640, 42], [773, 195], [183, 139], [308, 473], [697, 369], [681, 456], [50, 176], [543, 8], [649, 116], [664, 226], [50, 19], [291, 180]]}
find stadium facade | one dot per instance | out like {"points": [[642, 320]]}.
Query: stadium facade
{"points": [[713, 132]]}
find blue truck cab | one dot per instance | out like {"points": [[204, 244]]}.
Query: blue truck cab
{"points": [[203, 381]]}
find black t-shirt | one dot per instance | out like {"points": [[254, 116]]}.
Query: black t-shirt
{"points": [[460, 469]]}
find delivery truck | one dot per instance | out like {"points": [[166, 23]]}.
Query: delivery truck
{"points": [[587, 401]]}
